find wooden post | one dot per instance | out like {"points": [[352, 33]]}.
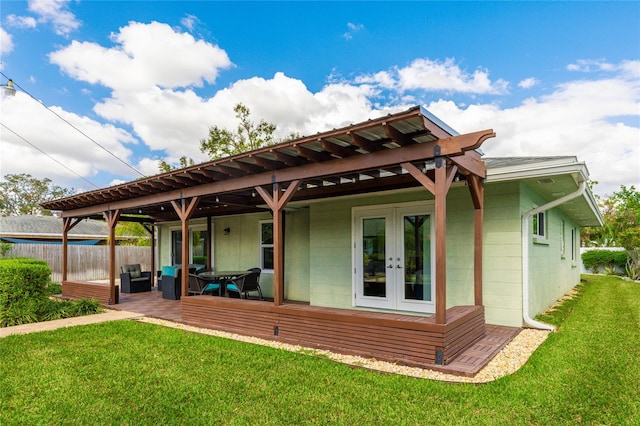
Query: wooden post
{"points": [[441, 243], [440, 188], [185, 210], [67, 224], [112, 216], [151, 229], [277, 201]]}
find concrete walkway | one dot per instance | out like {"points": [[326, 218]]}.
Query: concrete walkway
{"points": [[35, 327]]}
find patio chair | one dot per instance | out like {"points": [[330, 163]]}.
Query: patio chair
{"points": [[199, 286], [133, 280], [172, 285], [246, 283]]}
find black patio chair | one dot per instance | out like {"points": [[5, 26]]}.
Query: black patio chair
{"points": [[246, 283], [133, 280], [199, 286]]}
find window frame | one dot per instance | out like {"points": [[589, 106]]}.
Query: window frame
{"points": [[263, 245], [539, 232]]}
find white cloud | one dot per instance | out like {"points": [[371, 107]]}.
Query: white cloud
{"points": [[56, 13], [439, 76], [20, 21], [352, 29], [59, 140], [581, 118], [6, 43], [189, 22], [145, 56], [528, 83]]}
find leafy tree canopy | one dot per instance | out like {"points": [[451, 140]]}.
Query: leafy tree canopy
{"points": [[621, 214], [185, 161], [247, 137], [22, 194]]}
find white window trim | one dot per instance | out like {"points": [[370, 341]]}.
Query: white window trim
{"points": [[540, 238], [261, 246]]}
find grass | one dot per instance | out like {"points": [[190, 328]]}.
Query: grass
{"points": [[130, 373]]}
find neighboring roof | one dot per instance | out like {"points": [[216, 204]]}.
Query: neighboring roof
{"points": [[50, 227], [551, 177]]}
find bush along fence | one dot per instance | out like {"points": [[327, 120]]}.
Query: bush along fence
{"points": [[613, 262], [24, 294], [86, 263]]}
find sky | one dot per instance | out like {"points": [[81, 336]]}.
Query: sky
{"points": [[107, 89]]}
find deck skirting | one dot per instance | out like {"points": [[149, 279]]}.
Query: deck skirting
{"points": [[89, 290], [404, 339]]}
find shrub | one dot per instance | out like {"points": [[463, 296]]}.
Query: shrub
{"points": [[24, 289], [22, 279], [595, 260]]}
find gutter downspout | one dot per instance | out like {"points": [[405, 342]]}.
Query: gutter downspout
{"points": [[525, 254]]}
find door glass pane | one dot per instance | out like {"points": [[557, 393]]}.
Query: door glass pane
{"points": [[199, 247], [373, 257], [417, 257]]}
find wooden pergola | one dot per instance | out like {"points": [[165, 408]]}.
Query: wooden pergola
{"points": [[408, 149]]}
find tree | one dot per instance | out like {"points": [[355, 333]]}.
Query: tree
{"points": [[185, 161], [22, 194], [621, 214], [247, 137], [223, 143]]}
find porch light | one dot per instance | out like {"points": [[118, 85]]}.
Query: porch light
{"points": [[8, 89]]}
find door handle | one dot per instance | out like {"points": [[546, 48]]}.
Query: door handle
{"points": [[399, 267], [390, 266]]}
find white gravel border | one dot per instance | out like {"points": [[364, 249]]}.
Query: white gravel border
{"points": [[508, 361]]}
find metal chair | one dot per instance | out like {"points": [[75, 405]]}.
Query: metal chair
{"points": [[199, 286], [246, 283]]}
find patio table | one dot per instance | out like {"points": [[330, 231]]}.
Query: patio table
{"points": [[223, 277]]}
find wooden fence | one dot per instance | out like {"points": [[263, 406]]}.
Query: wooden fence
{"points": [[86, 263]]}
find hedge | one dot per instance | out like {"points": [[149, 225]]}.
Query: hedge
{"points": [[23, 279], [593, 260]]}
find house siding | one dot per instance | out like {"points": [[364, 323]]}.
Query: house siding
{"points": [[318, 250], [551, 275], [240, 249], [502, 255]]}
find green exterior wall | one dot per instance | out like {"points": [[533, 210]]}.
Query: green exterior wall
{"points": [[552, 273], [318, 250], [240, 249]]}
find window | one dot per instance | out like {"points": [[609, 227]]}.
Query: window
{"points": [[266, 245], [539, 225], [573, 244]]}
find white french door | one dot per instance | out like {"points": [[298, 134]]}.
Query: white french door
{"points": [[394, 257]]}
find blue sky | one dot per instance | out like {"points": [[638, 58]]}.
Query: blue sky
{"points": [[145, 80]]}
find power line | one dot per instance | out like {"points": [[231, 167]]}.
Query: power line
{"points": [[35, 147], [74, 127]]}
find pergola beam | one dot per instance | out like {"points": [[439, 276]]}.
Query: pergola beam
{"points": [[453, 146]]}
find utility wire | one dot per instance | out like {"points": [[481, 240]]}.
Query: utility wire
{"points": [[24, 139], [74, 127]]}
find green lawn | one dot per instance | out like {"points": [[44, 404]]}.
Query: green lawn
{"points": [[130, 373]]}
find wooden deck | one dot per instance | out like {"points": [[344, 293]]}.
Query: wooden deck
{"points": [[467, 344]]}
